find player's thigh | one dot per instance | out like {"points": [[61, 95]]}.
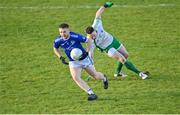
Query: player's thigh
{"points": [[123, 51], [75, 72], [91, 70], [113, 53]]}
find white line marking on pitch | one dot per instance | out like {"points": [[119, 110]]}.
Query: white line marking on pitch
{"points": [[87, 6]]}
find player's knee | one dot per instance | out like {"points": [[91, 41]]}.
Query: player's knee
{"points": [[122, 60], [126, 56], [95, 76], [75, 78]]}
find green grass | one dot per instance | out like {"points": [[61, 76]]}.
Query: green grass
{"points": [[33, 80]]}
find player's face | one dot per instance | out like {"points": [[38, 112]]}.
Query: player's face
{"points": [[93, 35], [64, 32]]}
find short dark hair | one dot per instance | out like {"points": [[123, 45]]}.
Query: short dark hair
{"points": [[63, 25], [89, 29]]}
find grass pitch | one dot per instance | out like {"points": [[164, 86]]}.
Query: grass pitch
{"points": [[33, 80]]}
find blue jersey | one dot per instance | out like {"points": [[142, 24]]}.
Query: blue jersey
{"points": [[74, 41]]}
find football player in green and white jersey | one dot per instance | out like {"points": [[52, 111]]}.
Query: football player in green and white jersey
{"points": [[107, 43]]}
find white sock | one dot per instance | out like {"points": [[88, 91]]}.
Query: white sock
{"points": [[89, 91], [104, 79]]}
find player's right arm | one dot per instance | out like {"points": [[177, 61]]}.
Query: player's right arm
{"points": [[57, 52], [56, 47], [102, 8], [97, 23], [99, 12]]}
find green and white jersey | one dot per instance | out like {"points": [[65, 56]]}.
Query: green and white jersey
{"points": [[103, 38]]}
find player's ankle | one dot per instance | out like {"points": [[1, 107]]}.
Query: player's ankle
{"points": [[89, 91]]}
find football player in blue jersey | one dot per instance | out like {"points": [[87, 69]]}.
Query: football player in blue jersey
{"points": [[69, 40]]}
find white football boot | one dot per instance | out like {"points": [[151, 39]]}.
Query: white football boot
{"points": [[120, 74], [144, 75]]}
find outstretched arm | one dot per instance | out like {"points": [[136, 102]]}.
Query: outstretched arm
{"points": [[100, 11], [102, 8]]}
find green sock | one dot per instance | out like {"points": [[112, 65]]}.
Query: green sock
{"points": [[131, 67], [119, 67], [88, 78]]}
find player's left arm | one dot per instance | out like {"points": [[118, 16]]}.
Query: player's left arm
{"points": [[90, 47]]}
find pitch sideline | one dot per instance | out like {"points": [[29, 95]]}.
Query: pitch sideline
{"points": [[87, 6]]}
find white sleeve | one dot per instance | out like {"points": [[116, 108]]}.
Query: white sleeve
{"points": [[97, 24]]}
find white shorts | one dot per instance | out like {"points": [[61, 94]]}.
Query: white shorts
{"points": [[81, 64], [112, 51]]}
